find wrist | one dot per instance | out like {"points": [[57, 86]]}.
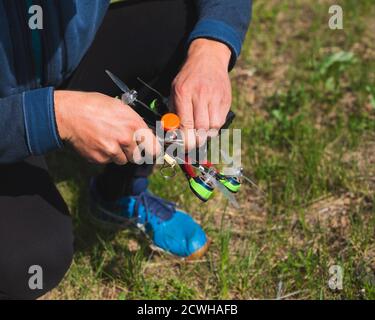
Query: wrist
{"points": [[211, 48], [60, 114]]}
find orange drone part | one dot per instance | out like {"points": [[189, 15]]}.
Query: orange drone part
{"points": [[170, 121]]}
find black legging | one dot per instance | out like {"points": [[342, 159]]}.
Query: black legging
{"points": [[137, 38]]}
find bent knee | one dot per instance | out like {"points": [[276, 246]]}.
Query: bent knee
{"points": [[35, 270]]}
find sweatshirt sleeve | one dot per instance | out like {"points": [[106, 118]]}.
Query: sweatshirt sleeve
{"points": [[224, 21], [27, 125]]}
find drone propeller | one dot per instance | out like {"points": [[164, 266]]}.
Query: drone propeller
{"points": [[130, 97], [122, 86], [239, 172], [210, 176]]}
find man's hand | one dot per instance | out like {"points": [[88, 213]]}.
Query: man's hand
{"points": [[201, 92], [101, 128]]}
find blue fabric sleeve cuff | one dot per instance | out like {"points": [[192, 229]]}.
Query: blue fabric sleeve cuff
{"points": [[40, 122], [220, 31]]}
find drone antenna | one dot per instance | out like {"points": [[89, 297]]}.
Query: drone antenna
{"points": [[152, 89], [148, 108]]}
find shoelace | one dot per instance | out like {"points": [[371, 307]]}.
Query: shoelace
{"points": [[153, 205]]}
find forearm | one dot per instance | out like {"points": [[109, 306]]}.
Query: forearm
{"points": [[27, 125]]}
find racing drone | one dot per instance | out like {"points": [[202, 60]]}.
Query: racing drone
{"points": [[203, 178]]}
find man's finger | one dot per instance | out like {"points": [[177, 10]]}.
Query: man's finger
{"points": [[201, 119], [184, 109], [217, 119], [129, 150], [120, 158]]}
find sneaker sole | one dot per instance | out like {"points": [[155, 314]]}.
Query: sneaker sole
{"points": [[194, 256]]}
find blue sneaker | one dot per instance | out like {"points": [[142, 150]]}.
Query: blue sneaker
{"points": [[170, 230]]}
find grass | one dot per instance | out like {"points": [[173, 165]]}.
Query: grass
{"points": [[305, 99]]}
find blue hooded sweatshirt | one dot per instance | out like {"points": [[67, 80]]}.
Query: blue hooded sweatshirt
{"points": [[27, 118]]}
